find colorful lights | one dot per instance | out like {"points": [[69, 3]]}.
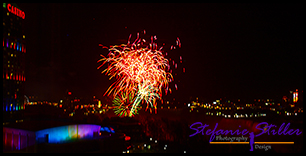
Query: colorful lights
{"points": [[15, 11], [68, 133]]}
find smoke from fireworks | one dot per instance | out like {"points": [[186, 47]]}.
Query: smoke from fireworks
{"points": [[141, 72]]}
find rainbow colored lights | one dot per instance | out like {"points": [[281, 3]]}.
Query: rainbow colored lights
{"points": [[67, 133]]}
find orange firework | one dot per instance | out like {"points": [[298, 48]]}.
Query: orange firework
{"points": [[140, 69]]}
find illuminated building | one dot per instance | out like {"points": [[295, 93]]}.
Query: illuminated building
{"points": [[295, 96], [14, 49], [16, 139]]}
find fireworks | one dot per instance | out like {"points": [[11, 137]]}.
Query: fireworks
{"points": [[141, 71], [123, 105]]}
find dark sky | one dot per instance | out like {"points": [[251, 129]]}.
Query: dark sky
{"points": [[242, 51]]}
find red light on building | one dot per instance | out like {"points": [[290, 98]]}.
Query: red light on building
{"points": [[15, 11], [69, 93]]}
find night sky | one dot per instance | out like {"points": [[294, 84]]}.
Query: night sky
{"points": [[242, 51]]}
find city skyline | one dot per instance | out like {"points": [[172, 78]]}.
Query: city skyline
{"points": [[229, 50], [152, 78]]}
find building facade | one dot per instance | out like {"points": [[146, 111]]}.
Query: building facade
{"points": [[14, 49]]}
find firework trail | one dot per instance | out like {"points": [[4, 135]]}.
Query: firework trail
{"points": [[141, 71]]}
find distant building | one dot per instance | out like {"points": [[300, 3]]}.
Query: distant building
{"points": [[14, 49], [298, 98]]}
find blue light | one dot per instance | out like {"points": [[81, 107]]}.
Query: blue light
{"points": [[107, 129], [6, 105]]}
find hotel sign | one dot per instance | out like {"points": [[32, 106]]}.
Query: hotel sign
{"points": [[12, 9]]}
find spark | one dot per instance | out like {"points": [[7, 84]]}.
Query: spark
{"points": [[141, 72]]}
